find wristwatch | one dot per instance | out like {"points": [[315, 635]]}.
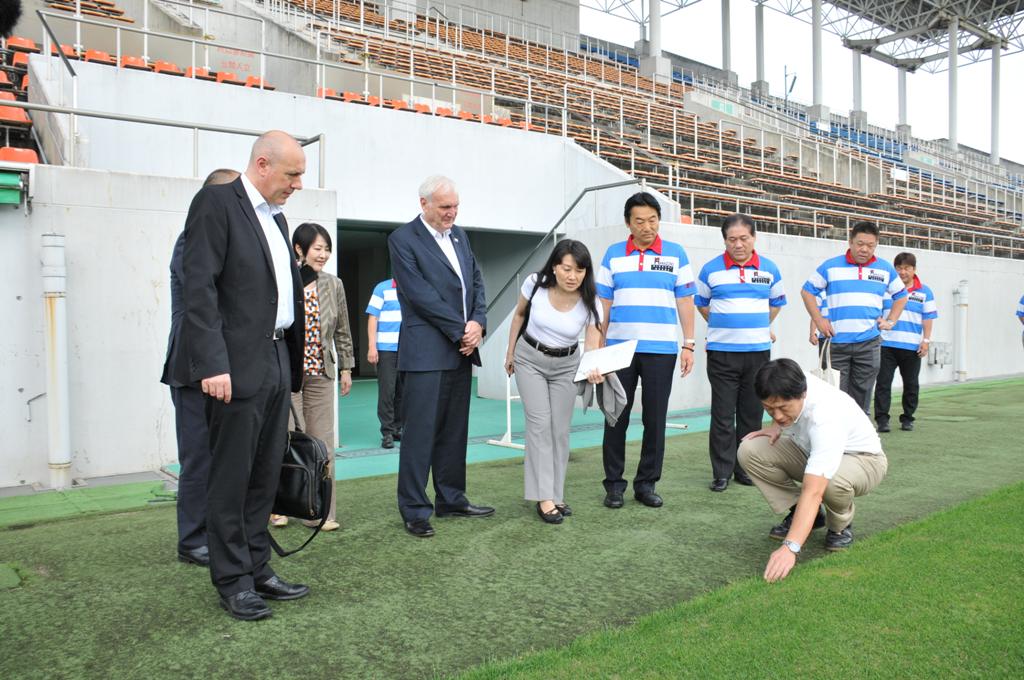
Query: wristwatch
{"points": [[793, 546]]}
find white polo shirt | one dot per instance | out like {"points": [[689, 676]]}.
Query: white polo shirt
{"points": [[830, 425]]}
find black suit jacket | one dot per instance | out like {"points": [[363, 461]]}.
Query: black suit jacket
{"points": [[429, 293], [230, 294], [175, 351]]}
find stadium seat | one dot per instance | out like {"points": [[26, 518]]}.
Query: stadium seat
{"points": [[18, 44], [24, 82], [137, 63], [373, 100], [5, 82], [398, 105], [99, 57], [256, 81], [443, 111], [229, 78], [199, 73], [466, 115], [12, 116], [20, 60], [421, 108], [326, 93], [352, 97], [167, 67], [68, 51], [9, 153], [504, 122]]}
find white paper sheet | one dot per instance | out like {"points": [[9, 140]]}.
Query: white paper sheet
{"points": [[606, 360]]}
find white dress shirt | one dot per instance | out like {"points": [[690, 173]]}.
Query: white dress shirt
{"points": [[444, 239], [279, 253], [831, 424]]}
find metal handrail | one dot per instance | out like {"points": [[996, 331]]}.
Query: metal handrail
{"points": [[195, 127], [551, 232]]}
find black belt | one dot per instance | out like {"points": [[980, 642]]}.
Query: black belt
{"points": [[278, 334], [550, 351]]}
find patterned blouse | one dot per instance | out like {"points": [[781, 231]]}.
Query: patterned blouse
{"points": [[313, 362]]}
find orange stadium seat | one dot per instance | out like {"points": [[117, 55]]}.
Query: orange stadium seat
{"points": [[24, 82], [352, 97], [256, 81], [137, 63], [68, 51], [466, 115], [18, 44], [229, 78], [9, 153], [12, 116], [99, 57], [373, 100], [20, 60], [421, 108], [327, 93], [398, 105], [5, 82], [198, 73], [167, 67]]}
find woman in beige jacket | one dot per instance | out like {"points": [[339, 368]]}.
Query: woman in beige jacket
{"points": [[328, 346]]}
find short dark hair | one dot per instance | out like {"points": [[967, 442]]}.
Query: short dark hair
{"points": [[905, 258], [221, 176], [641, 198], [780, 378], [864, 228], [741, 219], [306, 233]]}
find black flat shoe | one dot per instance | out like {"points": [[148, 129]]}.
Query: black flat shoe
{"points": [[613, 500], [719, 485], [649, 498], [839, 540], [387, 442], [246, 606], [467, 511], [741, 477], [883, 427], [564, 509], [907, 426], [276, 589], [553, 517], [781, 530], [420, 528], [200, 556]]}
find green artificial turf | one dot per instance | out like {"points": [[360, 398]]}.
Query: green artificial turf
{"points": [[939, 598], [103, 597], [48, 506]]}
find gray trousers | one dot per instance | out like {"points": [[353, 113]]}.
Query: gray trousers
{"points": [[548, 395], [858, 363]]}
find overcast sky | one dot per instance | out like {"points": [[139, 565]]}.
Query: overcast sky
{"points": [[695, 32]]}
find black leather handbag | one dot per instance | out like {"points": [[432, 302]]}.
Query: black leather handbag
{"points": [[305, 486]]}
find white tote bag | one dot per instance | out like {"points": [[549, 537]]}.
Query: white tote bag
{"points": [[823, 369]]}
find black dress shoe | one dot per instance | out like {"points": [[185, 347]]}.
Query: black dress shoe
{"points": [[246, 606], [467, 511], [276, 589], [420, 528], [907, 426], [649, 498], [199, 556], [780, 531], [883, 426], [613, 500], [564, 509], [387, 442], [719, 485], [553, 517], [839, 540], [741, 477]]}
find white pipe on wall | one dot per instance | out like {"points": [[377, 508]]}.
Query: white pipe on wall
{"points": [[960, 296], [58, 423]]}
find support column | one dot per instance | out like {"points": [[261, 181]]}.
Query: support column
{"points": [[759, 88], [996, 50], [730, 76], [954, 30], [653, 64], [818, 112], [858, 116], [902, 128]]}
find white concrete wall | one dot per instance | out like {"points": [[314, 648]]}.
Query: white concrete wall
{"points": [[993, 334], [120, 229]]}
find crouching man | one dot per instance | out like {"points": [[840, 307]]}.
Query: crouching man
{"points": [[820, 438]]}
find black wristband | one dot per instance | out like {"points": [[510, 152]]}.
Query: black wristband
{"points": [[686, 347]]}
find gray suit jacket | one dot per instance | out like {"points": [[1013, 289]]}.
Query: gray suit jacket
{"points": [[335, 332]]}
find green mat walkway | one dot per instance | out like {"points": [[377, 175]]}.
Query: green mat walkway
{"points": [[102, 597]]}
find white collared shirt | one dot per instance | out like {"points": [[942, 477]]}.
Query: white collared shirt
{"points": [[831, 424], [279, 253], [444, 239]]}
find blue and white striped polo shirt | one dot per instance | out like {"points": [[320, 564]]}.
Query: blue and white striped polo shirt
{"points": [[855, 295], [822, 300], [643, 286], [1020, 307], [909, 330], [384, 305], [739, 297]]}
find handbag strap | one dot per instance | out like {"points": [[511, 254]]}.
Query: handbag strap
{"points": [[281, 552], [826, 354], [529, 305]]}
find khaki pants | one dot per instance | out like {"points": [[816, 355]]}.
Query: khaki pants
{"points": [[776, 469], [315, 406]]}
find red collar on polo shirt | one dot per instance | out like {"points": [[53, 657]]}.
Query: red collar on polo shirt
{"points": [[850, 260], [394, 284], [630, 246], [915, 285], [754, 261]]}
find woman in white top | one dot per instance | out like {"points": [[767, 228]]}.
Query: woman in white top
{"points": [[555, 306]]}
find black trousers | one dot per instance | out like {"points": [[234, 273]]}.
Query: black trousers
{"points": [[655, 371], [909, 364], [389, 393], [735, 409], [434, 437], [194, 459], [247, 439]]}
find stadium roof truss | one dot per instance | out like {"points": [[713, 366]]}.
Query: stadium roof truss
{"points": [[910, 34]]}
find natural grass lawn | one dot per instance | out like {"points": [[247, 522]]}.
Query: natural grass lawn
{"points": [[940, 598], [103, 597]]}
